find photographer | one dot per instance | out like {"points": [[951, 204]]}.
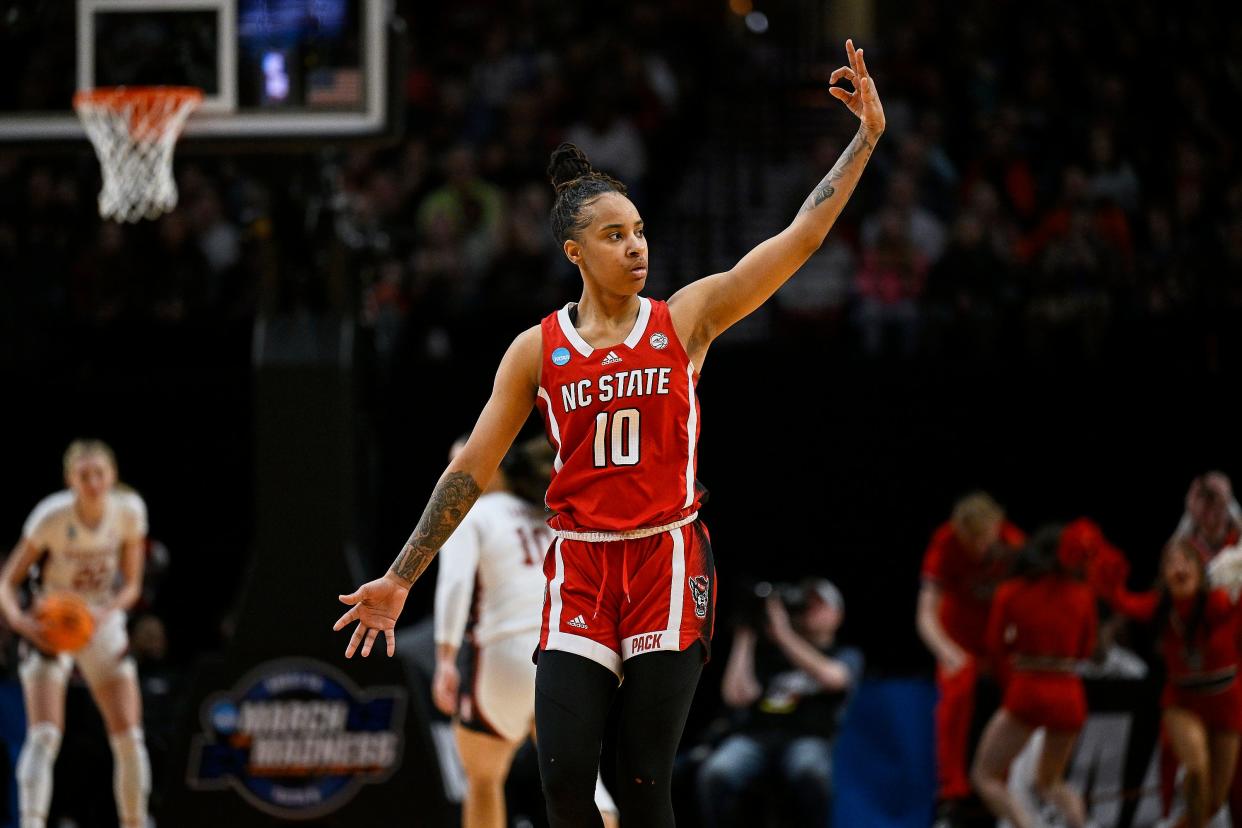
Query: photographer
{"points": [[790, 682]]}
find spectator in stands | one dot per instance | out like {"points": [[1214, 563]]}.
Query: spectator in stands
{"points": [[1213, 519], [890, 284], [790, 680], [610, 139], [967, 558], [903, 214], [469, 213], [964, 292]]}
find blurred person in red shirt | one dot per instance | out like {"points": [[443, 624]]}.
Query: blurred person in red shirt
{"points": [[967, 558], [1041, 628], [1202, 699]]}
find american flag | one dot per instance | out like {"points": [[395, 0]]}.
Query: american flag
{"points": [[334, 87]]}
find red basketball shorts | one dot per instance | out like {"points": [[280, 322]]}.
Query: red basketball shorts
{"points": [[1056, 701], [615, 600]]}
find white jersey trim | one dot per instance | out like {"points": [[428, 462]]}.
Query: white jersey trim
{"points": [[584, 348], [692, 425], [571, 333], [555, 428], [640, 324]]}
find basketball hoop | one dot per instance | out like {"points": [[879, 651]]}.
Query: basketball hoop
{"points": [[134, 130]]}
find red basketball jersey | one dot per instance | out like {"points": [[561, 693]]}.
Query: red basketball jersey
{"points": [[624, 421]]}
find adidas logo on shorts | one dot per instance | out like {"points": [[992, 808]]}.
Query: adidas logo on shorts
{"points": [[611, 358], [578, 622]]}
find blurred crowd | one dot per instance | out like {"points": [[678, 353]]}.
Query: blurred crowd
{"points": [[1053, 182], [1057, 175]]}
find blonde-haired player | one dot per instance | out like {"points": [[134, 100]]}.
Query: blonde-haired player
{"points": [[87, 539], [491, 572]]}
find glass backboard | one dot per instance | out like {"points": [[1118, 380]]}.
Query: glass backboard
{"points": [[267, 68]]}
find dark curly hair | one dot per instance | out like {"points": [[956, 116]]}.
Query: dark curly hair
{"points": [[577, 184]]}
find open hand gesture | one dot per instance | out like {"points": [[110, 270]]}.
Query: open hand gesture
{"points": [[375, 606], [864, 102]]}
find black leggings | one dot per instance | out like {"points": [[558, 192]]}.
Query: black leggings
{"points": [[572, 697]]}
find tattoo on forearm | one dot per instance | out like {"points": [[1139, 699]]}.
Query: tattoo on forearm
{"points": [[452, 498], [827, 188]]}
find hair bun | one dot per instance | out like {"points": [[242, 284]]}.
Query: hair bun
{"points": [[568, 164]]}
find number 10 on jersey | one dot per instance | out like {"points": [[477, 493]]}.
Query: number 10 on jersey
{"points": [[624, 432]]}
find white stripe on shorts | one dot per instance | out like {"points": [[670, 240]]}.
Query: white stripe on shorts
{"points": [[587, 648], [554, 590], [678, 592]]}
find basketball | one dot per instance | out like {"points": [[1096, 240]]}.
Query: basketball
{"points": [[67, 621]]}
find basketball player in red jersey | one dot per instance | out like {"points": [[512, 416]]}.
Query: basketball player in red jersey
{"points": [[965, 561], [1202, 699], [1041, 626], [631, 584]]}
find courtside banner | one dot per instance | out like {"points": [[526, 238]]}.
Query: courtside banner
{"points": [[297, 739]]}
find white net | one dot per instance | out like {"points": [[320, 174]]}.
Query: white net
{"points": [[134, 131]]}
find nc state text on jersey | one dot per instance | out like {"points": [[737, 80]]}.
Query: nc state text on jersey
{"points": [[638, 382]]}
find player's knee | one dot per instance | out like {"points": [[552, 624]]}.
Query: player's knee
{"points": [[129, 753], [39, 751], [717, 776], [1196, 778], [979, 775], [131, 776], [568, 782], [643, 778], [491, 773], [810, 776]]}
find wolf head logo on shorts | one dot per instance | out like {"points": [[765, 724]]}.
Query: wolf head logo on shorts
{"points": [[700, 588]]}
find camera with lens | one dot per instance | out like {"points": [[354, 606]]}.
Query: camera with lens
{"points": [[794, 597], [754, 611]]}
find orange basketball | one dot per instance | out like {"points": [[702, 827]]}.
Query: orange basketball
{"points": [[66, 620]]}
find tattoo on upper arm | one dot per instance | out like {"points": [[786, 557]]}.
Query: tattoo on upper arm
{"points": [[827, 188], [452, 498]]}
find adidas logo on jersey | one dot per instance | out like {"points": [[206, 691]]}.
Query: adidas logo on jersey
{"points": [[611, 358], [578, 622]]}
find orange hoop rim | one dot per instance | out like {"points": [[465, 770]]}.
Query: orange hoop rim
{"points": [[114, 95]]}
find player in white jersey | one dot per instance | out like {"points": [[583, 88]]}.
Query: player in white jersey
{"points": [[491, 579], [88, 539]]}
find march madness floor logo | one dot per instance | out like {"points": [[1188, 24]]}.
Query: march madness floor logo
{"points": [[297, 739]]}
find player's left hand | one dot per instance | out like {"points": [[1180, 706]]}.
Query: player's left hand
{"points": [[375, 606], [864, 101]]}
